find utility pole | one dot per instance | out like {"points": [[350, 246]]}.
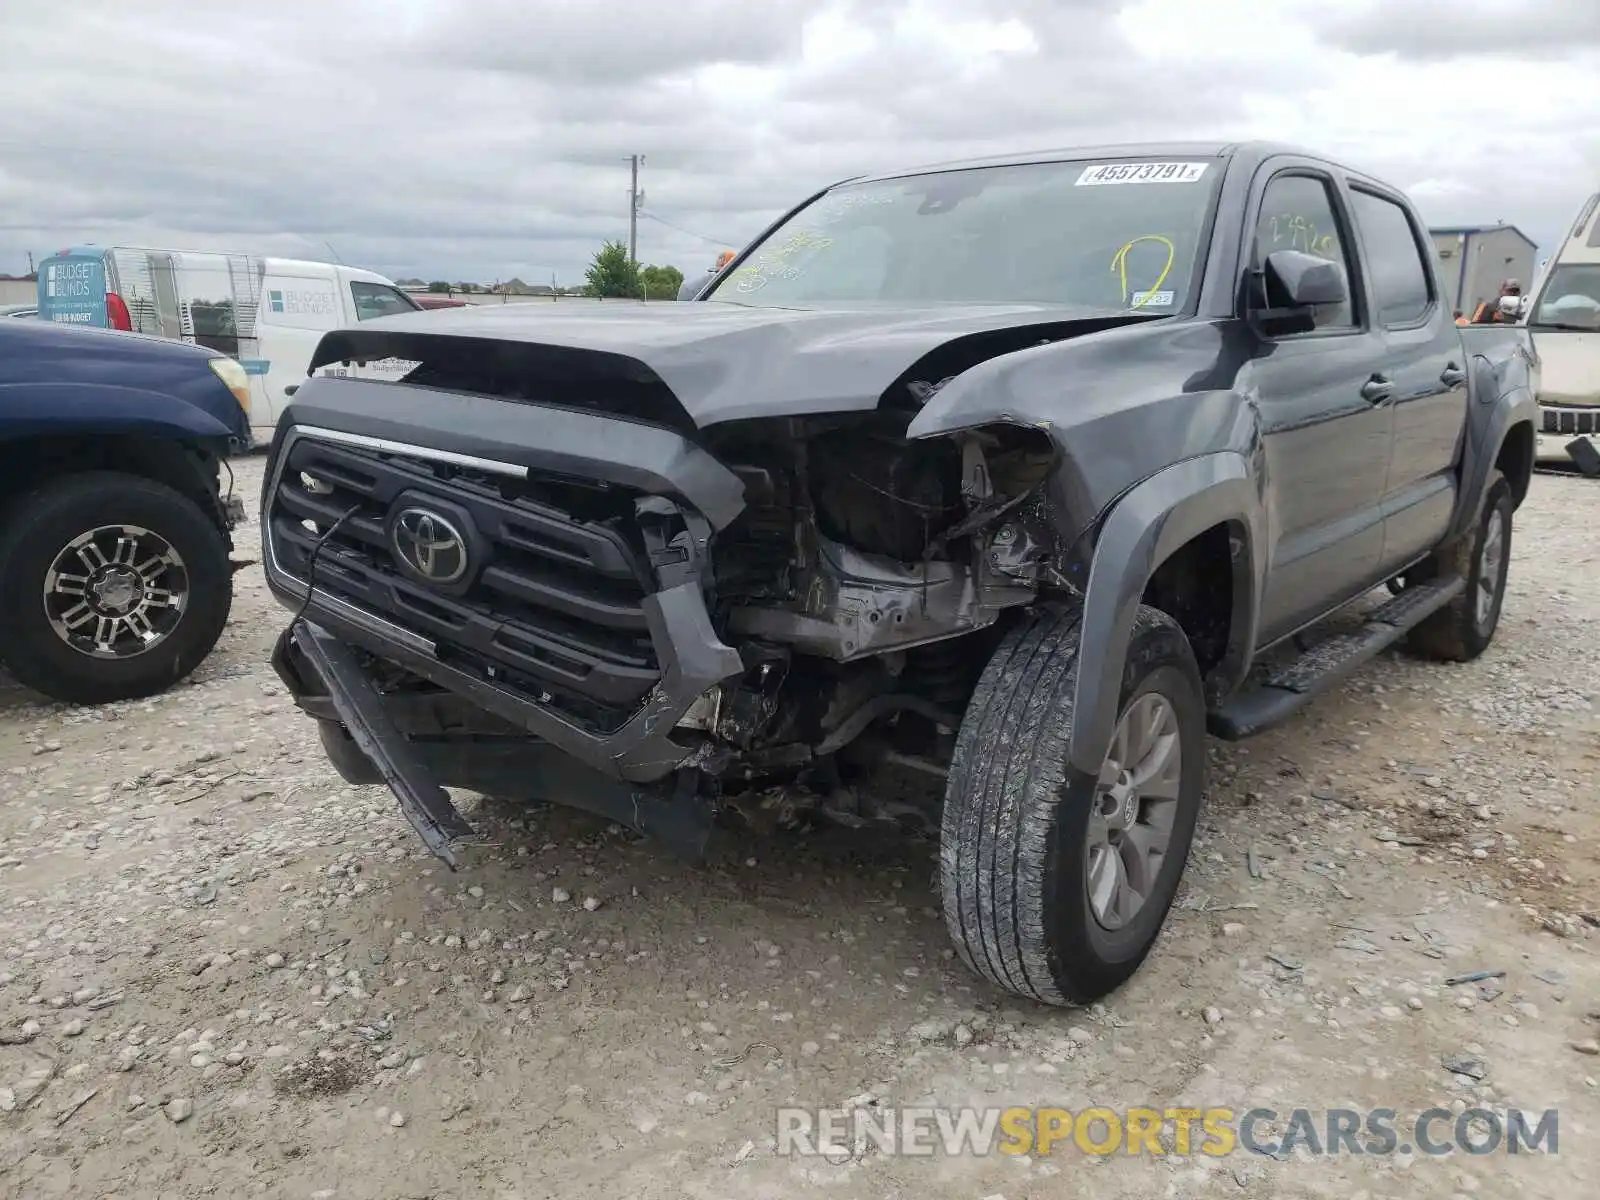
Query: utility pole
{"points": [[633, 208]]}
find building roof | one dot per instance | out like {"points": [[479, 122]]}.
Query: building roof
{"points": [[1452, 230]]}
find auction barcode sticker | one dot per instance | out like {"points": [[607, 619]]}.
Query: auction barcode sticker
{"points": [[1142, 172]]}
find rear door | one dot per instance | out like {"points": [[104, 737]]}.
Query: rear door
{"points": [[1425, 364], [72, 288], [1326, 441], [206, 301]]}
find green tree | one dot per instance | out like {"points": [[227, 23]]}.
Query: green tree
{"points": [[439, 285], [661, 283], [612, 273]]}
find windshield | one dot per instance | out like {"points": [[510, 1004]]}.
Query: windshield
{"points": [[1110, 234], [1570, 298]]}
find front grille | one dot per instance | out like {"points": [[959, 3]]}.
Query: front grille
{"points": [[1572, 421], [554, 609]]}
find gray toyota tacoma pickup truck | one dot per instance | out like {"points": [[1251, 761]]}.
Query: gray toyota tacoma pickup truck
{"points": [[1017, 475]]}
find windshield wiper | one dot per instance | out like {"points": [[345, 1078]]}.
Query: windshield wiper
{"points": [[1565, 326]]}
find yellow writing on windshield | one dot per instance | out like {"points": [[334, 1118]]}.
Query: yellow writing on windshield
{"points": [[1119, 267], [777, 262]]}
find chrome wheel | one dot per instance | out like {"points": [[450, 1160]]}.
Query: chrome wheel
{"points": [[1135, 805], [1491, 565], [116, 591]]}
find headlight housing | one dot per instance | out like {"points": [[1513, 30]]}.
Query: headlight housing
{"points": [[233, 376]]}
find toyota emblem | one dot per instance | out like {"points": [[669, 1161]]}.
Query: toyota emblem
{"points": [[430, 545]]}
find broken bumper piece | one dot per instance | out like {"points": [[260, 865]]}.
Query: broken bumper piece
{"points": [[360, 708], [408, 742]]}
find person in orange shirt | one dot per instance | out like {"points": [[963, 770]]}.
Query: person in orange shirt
{"points": [[1490, 313]]}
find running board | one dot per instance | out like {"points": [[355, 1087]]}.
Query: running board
{"points": [[1329, 663]]}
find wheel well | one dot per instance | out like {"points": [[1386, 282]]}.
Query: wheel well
{"points": [[1515, 459], [1194, 586], [187, 469]]}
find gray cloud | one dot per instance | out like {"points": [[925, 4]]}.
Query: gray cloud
{"points": [[484, 140], [618, 42], [1528, 28]]}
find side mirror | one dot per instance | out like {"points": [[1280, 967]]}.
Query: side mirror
{"points": [[1299, 280]]}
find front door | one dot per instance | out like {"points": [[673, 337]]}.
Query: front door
{"points": [[1327, 439]]}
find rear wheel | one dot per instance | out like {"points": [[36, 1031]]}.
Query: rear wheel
{"points": [[112, 587], [1463, 629], [1056, 887]]}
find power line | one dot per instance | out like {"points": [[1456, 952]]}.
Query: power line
{"points": [[702, 237]]}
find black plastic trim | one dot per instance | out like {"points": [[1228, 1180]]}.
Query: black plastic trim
{"points": [[561, 440]]}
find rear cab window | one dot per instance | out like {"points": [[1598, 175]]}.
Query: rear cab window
{"points": [[1401, 281]]}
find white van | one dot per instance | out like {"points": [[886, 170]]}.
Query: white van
{"points": [[269, 313], [1565, 321]]}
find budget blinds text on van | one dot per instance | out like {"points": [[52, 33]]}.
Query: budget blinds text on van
{"points": [[74, 291], [304, 304]]}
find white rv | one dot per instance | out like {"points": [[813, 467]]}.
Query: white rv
{"points": [[1565, 320], [269, 313]]}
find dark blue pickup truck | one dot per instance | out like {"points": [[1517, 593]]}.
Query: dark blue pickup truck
{"points": [[114, 530]]}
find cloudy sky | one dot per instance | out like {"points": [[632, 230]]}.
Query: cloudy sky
{"points": [[481, 139]]}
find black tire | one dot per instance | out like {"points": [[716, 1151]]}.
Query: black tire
{"points": [[1458, 632], [1014, 844], [345, 756], [38, 525]]}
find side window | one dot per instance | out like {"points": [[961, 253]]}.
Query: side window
{"points": [[1297, 213], [1399, 274], [376, 300]]}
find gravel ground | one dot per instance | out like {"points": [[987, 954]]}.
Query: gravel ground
{"points": [[224, 973]]}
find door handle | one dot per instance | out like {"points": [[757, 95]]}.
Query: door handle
{"points": [[1377, 389], [1452, 376]]}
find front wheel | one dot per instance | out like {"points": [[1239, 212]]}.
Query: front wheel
{"points": [[112, 587], [1055, 887]]}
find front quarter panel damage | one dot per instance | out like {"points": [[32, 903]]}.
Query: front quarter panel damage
{"points": [[1159, 440]]}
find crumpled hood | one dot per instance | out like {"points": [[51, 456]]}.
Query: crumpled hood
{"points": [[726, 361]]}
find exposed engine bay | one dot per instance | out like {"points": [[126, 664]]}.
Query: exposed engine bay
{"points": [[862, 586]]}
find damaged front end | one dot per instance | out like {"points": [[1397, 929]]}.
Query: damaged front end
{"points": [[862, 585], [657, 628]]}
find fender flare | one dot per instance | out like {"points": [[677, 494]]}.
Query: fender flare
{"points": [[67, 409], [1487, 427], [1141, 531]]}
